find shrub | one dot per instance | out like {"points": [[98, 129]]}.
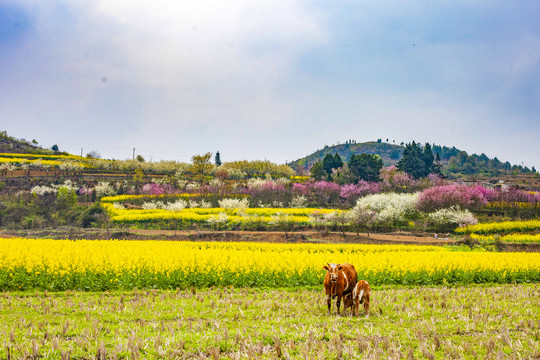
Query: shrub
{"points": [[451, 218], [178, 205], [93, 214], [234, 203], [266, 190], [299, 201], [395, 180], [104, 189], [152, 189], [390, 209], [446, 196], [351, 192]]}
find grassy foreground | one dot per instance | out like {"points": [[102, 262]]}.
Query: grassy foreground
{"points": [[463, 322]]}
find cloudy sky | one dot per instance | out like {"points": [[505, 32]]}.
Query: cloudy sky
{"points": [[268, 79]]}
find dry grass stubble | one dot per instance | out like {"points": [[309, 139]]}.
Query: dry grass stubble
{"points": [[464, 322]]}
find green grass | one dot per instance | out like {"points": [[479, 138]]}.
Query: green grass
{"points": [[228, 323]]}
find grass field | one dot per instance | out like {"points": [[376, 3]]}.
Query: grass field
{"points": [[228, 323]]}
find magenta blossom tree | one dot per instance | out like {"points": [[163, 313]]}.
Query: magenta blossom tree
{"points": [[394, 180], [441, 197], [352, 192]]}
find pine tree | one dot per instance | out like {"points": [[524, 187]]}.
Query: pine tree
{"points": [[365, 167], [317, 171], [413, 161], [428, 159], [217, 159], [337, 161], [328, 163]]}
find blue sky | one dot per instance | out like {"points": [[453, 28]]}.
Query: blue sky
{"points": [[272, 80]]}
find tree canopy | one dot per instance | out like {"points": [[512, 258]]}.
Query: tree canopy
{"points": [[417, 161], [365, 167]]}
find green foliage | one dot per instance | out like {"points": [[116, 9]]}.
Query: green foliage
{"points": [[13, 213], [328, 163], [389, 153], [448, 161], [19, 278], [365, 167], [66, 198], [93, 215], [48, 210], [201, 166], [337, 161], [317, 171], [138, 177], [416, 161]]}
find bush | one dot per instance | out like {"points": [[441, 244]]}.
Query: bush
{"points": [[446, 196], [94, 214], [390, 209], [234, 203], [449, 219]]}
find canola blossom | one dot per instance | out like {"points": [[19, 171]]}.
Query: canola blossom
{"points": [[41, 156], [41, 159], [501, 227], [118, 264], [517, 237], [4, 160], [206, 215], [133, 197]]}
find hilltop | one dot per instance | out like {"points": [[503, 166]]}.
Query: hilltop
{"points": [[10, 144], [455, 163], [389, 153]]}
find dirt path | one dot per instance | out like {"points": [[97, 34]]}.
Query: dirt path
{"points": [[297, 236], [312, 237]]}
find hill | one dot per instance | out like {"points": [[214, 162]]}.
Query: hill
{"points": [[389, 153], [455, 163], [10, 144]]}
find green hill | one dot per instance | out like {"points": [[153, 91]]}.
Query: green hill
{"points": [[389, 153], [9, 144], [455, 163]]}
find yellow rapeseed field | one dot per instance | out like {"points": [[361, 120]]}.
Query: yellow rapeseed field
{"points": [[501, 227], [204, 215], [514, 237], [109, 264]]}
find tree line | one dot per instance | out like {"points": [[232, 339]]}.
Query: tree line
{"points": [[417, 161]]}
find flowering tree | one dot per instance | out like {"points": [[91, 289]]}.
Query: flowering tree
{"points": [[390, 209], [266, 190], [396, 181], [352, 192], [446, 196]]}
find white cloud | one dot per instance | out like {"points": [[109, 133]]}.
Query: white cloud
{"points": [[270, 79]]}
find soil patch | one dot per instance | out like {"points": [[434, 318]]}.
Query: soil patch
{"points": [[230, 236]]}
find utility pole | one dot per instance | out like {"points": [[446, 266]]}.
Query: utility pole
{"points": [[133, 153], [81, 152]]}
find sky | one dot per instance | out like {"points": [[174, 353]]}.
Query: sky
{"points": [[270, 79]]}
